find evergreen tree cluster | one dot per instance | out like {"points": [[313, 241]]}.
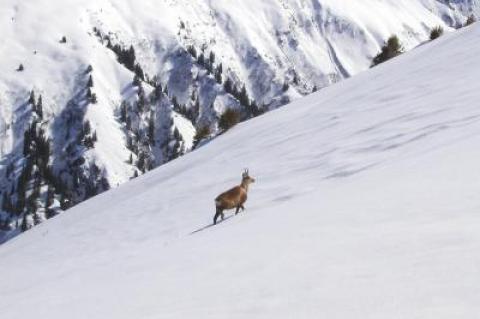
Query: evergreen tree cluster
{"points": [[470, 20], [76, 176], [36, 105], [192, 112], [228, 119], [436, 33], [207, 63], [202, 132], [91, 96], [86, 136], [391, 49], [250, 106], [125, 56], [139, 122], [28, 197], [176, 145]]}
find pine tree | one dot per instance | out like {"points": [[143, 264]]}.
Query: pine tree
{"points": [[210, 63], [50, 213], [243, 98], [193, 52], [31, 99], [42, 150], [93, 98], [141, 162], [201, 59], [137, 81], [212, 58], [218, 74], [228, 119], [151, 130], [390, 50], [235, 92], [64, 201], [139, 72], [195, 111], [24, 226], [130, 58], [31, 204], [142, 101], [128, 123], [39, 107], [296, 80], [175, 104], [36, 219], [87, 128], [176, 134], [90, 82], [227, 85], [123, 112], [471, 19], [254, 110], [201, 133], [436, 33], [50, 197], [158, 92]]}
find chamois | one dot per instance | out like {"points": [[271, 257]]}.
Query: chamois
{"points": [[233, 198]]}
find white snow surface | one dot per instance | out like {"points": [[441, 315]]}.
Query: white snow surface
{"points": [[366, 205]]}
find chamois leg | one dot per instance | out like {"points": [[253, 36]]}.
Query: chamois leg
{"points": [[238, 209], [242, 207], [217, 214]]}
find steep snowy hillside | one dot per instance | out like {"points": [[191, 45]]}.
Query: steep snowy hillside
{"points": [[75, 121], [366, 205]]}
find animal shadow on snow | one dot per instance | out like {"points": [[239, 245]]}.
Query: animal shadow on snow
{"points": [[210, 225]]}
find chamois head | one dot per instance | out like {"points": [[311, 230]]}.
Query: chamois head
{"points": [[246, 179]]}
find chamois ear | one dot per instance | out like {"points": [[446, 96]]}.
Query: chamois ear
{"points": [[245, 173]]}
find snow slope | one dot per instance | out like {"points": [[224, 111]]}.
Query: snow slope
{"points": [[278, 50], [366, 206]]}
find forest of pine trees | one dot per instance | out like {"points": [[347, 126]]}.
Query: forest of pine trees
{"points": [[37, 186], [29, 196]]}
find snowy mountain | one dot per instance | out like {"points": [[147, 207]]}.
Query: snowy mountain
{"points": [[94, 93], [365, 206]]}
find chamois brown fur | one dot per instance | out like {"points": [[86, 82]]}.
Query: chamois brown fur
{"points": [[233, 198]]}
